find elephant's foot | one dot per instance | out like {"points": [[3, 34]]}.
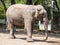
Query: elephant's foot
{"points": [[29, 40], [12, 37]]}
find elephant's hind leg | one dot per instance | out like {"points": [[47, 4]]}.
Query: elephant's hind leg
{"points": [[12, 36], [10, 27]]}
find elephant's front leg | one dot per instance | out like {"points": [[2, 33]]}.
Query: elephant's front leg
{"points": [[28, 26]]}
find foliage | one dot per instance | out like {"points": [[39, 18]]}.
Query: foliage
{"points": [[2, 13]]}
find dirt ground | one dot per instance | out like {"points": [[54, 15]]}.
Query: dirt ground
{"points": [[54, 39]]}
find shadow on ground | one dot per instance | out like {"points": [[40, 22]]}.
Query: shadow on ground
{"points": [[36, 40]]}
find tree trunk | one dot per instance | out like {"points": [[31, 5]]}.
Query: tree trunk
{"points": [[4, 5], [12, 2], [29, 2], [56, 4], [36, 2]]}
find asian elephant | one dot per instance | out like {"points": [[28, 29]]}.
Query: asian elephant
{"points": [[26, 13]]}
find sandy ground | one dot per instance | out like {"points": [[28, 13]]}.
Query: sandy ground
{"points": [[21, 39]]}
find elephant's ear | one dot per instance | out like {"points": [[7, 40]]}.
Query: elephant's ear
{"points": [[36, 13]]}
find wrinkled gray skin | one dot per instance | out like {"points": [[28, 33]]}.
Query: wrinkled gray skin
{"points": [[28, 13]]}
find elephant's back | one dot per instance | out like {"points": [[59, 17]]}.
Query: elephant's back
{"points": [[18, 9]]}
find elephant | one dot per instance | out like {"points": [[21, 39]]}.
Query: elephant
{"points": [[26, 14]]}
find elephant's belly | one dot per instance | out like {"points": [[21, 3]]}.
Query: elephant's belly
{"points": [[18, 23]]}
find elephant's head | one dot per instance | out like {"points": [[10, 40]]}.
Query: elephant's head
{"points": [[40, 11]]}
